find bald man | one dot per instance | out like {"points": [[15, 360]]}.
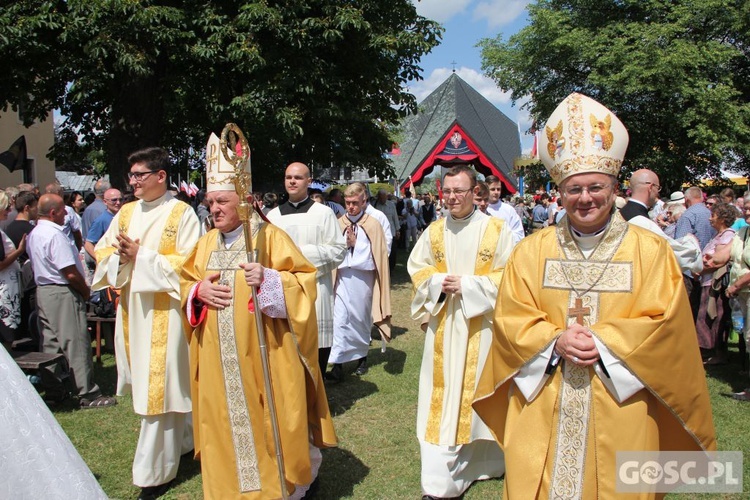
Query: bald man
{"points": [[61, 297], [315, 230], [113, 200], [72, 223], [644, 186]]}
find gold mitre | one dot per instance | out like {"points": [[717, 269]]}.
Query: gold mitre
{"points": [[582, 136]]}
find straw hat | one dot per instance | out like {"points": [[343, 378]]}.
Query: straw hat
{"points": [[678, 197]]}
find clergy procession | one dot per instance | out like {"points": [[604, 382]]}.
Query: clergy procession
{"points": [[552, 342]]}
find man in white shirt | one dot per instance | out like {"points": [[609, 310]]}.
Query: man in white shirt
{"points": [[501, 210], [61, 299], [72, 224]]}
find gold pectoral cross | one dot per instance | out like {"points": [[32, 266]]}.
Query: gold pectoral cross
{"points": [[579, 311]]}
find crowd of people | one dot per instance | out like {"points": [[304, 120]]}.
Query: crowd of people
{"points": [[542, 315]]}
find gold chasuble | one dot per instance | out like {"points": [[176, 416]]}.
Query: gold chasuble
{"points": [[232, 428], [629, 293]]}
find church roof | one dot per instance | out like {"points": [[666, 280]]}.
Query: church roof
{"points": [[455, 102]]}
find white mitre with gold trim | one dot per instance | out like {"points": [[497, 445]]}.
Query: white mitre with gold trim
{"points": [[219, 171], [582, 136]]}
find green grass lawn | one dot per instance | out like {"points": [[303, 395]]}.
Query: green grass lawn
{"points": [[378, 454]]}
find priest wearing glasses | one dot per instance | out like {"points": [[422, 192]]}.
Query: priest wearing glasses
{"points": [[595, 348], [456, 267]]}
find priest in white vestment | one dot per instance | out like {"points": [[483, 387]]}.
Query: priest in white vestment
{"points": [[363, 275], [456, 267], [141, 254], [315, 230]]}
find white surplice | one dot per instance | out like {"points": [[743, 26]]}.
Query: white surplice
{"points": [[352, 313], [316, 232], [505, 211], [447, 465]]}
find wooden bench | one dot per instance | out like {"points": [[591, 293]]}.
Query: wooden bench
{"points": [[34, 363], [26, 344], [97, 320]]}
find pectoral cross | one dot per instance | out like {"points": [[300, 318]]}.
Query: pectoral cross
{"points": [[579, 311]]}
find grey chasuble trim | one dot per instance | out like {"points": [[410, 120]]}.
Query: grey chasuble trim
{"points": [[227, 261], [586, 280]]}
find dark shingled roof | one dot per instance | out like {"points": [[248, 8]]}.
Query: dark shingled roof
{"points": [[455, 101]]}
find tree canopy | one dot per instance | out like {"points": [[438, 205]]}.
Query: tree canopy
{"points": [[315, 81], [677, 73]]}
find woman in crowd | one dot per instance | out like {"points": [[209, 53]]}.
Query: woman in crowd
{"points": [[714, 315], [712, 200], [10, 270], [75, 201], [727, 195], [673, 213], [739, 281]]}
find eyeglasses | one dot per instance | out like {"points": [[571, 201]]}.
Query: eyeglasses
{"points": [[658, 187], [139, 176], [593, 190], [710, 203], [115, 200], [457, 192]]}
